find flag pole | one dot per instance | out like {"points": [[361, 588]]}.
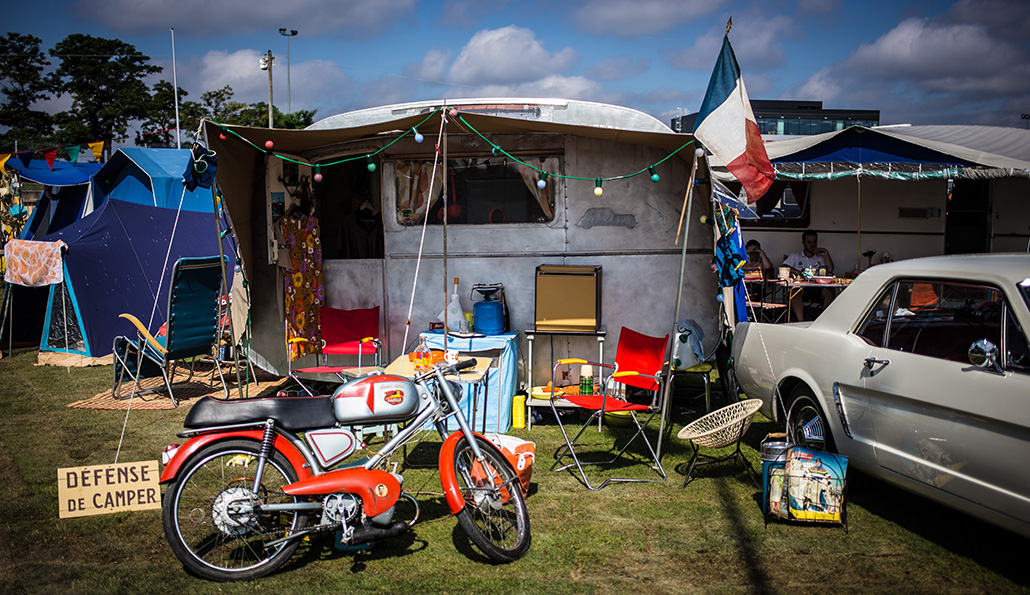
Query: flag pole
{"points": [[175, 90]]}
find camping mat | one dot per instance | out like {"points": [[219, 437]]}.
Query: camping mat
{"points": [[263, 384]]}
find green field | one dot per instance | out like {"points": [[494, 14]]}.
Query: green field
{"points": [[653, 538]]}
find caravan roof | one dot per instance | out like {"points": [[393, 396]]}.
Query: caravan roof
{"points": [[554, 111]]}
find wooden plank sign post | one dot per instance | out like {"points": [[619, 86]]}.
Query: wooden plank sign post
{"points": [[103, 489]]}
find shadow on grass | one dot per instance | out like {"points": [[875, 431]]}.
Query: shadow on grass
{"points": [[1003, 552]]}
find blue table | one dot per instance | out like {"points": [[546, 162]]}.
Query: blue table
{"points": [[493, 412]]}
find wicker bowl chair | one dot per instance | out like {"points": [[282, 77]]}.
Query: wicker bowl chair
{"points": [[719, 429]]}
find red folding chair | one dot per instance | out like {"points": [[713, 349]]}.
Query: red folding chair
{"points": [[640, 364], [344, 332]]}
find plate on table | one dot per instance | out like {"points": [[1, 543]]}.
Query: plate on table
{"points": [[823, 280]]}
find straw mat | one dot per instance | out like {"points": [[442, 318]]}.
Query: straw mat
{"points": [[185, 392]]}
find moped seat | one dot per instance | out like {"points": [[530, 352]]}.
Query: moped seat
{"points": [[294, 413]]}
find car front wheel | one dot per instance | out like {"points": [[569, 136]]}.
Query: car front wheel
{"points": [[806, 423]]}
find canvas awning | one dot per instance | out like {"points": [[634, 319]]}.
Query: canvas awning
{"points": [[903, 153], [241, 150]]}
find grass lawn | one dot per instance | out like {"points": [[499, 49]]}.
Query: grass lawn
{"points": [[648, 538]]}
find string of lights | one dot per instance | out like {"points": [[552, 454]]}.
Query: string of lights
{"points": [[495, 149]]}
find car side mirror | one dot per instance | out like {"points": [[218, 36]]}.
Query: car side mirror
{"points": [[984, 354]]}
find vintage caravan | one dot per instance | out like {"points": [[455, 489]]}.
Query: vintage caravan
{"points": [[521, 183]]}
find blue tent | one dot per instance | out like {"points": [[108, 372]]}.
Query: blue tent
{"points": [[66, 191], [117, 225], [149, 177], [115, 263]]}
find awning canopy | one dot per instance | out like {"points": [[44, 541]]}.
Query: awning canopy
{"points": [[63, 173], [904, 153], [242, 150]]}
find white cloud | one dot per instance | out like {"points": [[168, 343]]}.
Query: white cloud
{"points": [[574, 87], [510, 55], [363, 18], [640, 17], [928, 70], [433, 67], [757, 43], [465, 13], [313, 83], [614, 69]]}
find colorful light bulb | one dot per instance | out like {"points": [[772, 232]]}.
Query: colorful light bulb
{"points": [[598, 191]]}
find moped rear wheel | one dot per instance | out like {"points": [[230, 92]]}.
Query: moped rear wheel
{"points": [[495, 516], [211, 519]]}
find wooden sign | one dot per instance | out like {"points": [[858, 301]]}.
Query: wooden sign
{"points": [[103, 489]]}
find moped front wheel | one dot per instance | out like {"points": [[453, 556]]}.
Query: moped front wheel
{"points": [[495, 515], [212, 513]]}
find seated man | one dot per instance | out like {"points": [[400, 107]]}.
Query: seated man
{"points": [[756, 259], [811, 256]]}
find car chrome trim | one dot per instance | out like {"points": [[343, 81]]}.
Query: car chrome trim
{"points": [[840, 408]]}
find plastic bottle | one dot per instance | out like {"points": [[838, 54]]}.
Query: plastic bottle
{"points": [[423, 356], [455, 315], [518, 412]]}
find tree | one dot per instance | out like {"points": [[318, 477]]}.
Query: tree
{"points": [[256, 114], [158, 128], [220, 106], [105, 80], [22, 84]]}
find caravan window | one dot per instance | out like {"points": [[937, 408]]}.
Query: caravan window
{"points": [[785, 204], [491, 190]]}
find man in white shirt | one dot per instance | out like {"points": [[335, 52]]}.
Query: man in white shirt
{"points": [[811, 256]]}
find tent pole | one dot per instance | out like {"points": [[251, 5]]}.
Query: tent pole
{"points": [[217, 203], [679, 298], [446, 326], [227, 292], [64, 314], [858, 257], [8, 301]]}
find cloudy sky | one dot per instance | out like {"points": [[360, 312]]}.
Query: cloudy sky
{"points": [[917, 61]]}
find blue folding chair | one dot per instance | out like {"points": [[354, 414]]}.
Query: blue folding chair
{"points": [[193, 329]]}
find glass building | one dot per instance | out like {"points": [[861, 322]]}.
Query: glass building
{"points": [[789, 117]]}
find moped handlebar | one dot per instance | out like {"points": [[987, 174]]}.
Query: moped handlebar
{"points": [[458, 367], [469, 363]]}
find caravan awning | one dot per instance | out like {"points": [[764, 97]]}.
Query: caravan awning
{"points": [[241, 150], [904, 153]]}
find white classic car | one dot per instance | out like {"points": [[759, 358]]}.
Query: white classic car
{"points": [[919, 372]]}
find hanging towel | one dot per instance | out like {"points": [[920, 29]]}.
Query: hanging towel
{"points": [[34, 264]]}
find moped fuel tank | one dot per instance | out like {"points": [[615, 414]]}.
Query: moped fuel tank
{"points": [[378, 398]]}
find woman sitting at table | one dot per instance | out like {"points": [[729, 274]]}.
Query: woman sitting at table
{"points": [[811, 256]]}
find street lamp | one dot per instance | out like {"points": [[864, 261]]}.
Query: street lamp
{"points": [[288, 35], [266, 64]]}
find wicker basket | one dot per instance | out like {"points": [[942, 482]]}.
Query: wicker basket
{"points": [[721, 427]]}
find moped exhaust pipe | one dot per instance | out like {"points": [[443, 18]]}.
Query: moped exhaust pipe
{"points": [[367, 533]]}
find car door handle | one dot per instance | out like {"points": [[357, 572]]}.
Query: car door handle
{"points": [[872, 361]]}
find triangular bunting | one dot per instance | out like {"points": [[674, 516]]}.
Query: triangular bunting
{"points": [[73, 153], [50, 156], [25, 157], [3, 160], [97, 148]]}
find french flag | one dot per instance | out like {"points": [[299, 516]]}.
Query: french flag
{"points": [[726, 126]]}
